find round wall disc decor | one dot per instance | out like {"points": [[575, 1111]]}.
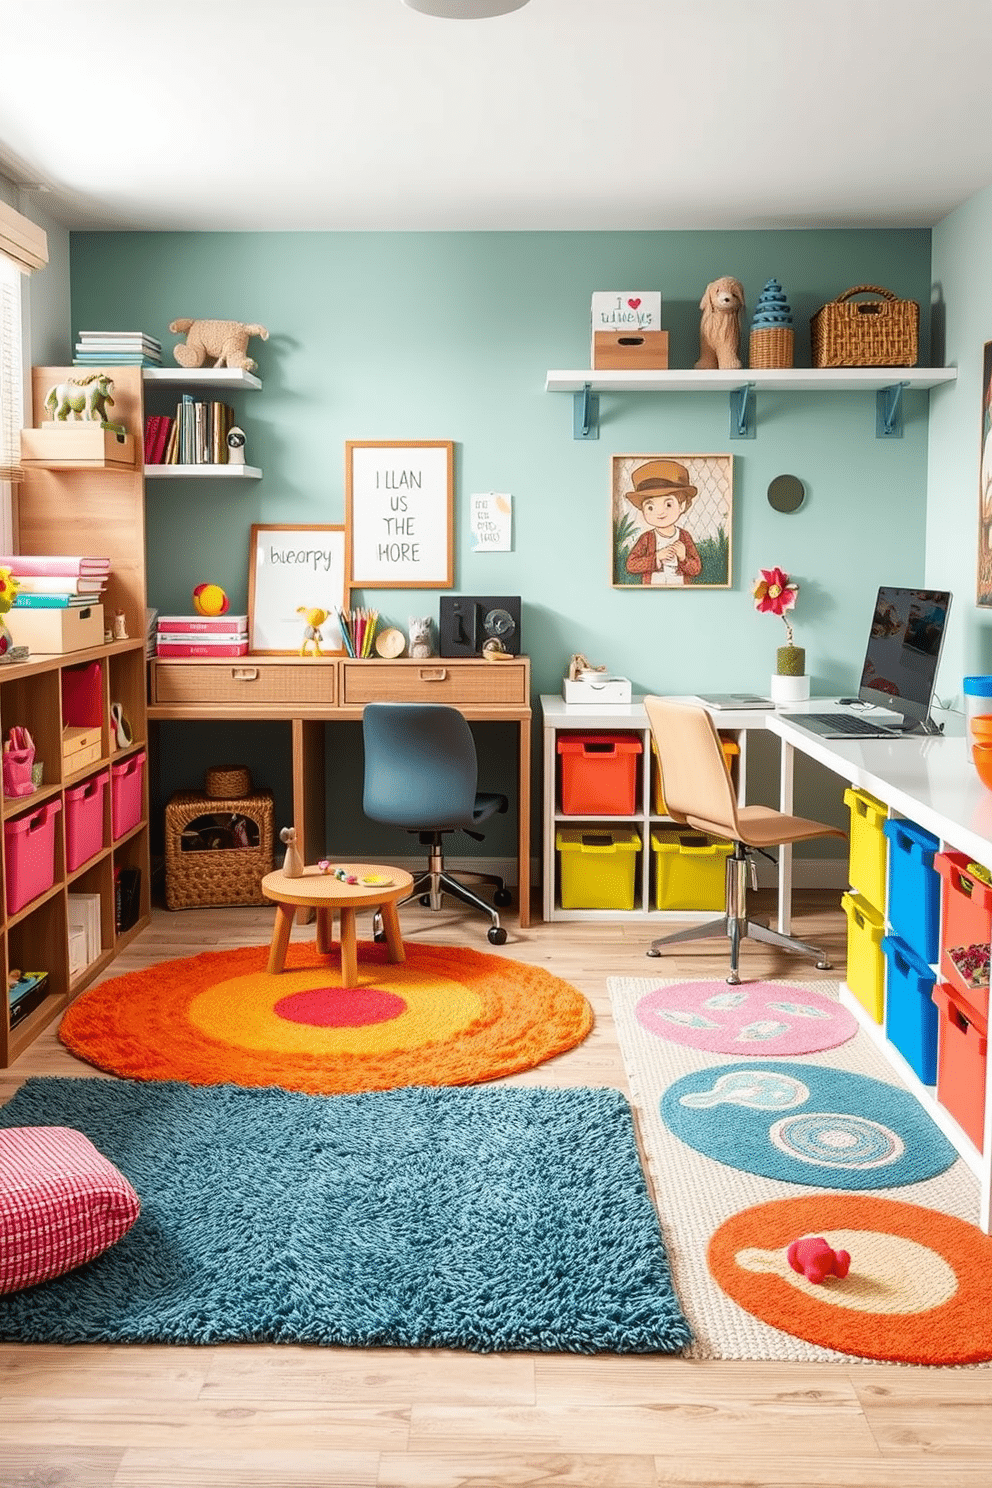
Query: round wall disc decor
{"points": [[786, 493]]}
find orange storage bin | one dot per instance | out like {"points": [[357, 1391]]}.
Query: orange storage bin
{"points": [[29, 851], [599, 774], [966, 908], [962, 1060], [730, 748]]}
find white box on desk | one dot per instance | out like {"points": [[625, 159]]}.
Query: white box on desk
{"points": [[52, 632], [607, 691]]}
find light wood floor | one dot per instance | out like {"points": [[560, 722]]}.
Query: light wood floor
{"points": [[261, 1417]]}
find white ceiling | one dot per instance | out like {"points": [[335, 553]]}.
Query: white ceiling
{"points": [[567, 114]]}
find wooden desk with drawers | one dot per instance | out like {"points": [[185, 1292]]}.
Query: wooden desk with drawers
{"points": [[309, 692]]}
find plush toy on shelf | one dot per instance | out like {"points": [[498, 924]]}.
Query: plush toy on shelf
{"points": [[311, 631], [226, 341], [210, 600], [720, 323]]}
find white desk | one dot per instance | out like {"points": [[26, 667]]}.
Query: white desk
{"points": [[931, 781]]}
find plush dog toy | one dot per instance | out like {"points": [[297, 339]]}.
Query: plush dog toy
{"points": [[813, 1258], [720, 324], [224, 340]]}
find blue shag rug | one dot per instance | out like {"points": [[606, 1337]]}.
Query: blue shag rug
{"points": [[479, 1218]]}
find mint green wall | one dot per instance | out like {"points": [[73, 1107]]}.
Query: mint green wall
{"points": [[963, 293], [449, 336]]}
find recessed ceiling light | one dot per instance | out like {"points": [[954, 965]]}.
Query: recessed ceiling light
{"points": [[465, 10]]}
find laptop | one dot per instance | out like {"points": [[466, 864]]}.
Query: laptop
{"points": [[899, 674]]}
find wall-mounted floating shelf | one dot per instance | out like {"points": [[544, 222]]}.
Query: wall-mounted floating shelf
{"points": [[198, 472], [224, 377], [741, 386]]}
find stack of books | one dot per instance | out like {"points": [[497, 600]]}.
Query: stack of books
{"points": [[26, 990], [84, 930], [195, 435], [201, 635], [50, 581], [117, 348]]}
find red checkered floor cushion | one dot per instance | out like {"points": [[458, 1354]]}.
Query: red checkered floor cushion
{"points": [[61, 1203]]}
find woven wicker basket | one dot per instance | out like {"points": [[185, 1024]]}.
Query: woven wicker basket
{"points": [[227, 782], [771, 346], [872, 333], [230, 875]]}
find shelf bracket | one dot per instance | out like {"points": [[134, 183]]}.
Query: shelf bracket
{"points": [[742, 412], [585, 414], [888, 411]]}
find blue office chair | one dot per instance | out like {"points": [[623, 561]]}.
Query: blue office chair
{"points": [[421, 774]]}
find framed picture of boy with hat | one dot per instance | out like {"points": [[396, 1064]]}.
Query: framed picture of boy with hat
{"points": [[672, 521]]}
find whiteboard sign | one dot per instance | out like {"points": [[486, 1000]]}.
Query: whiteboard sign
{"points": [[399, 514], [626, 310], [292, 570]]}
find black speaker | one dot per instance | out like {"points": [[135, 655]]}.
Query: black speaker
{"points": [[470, 622]]}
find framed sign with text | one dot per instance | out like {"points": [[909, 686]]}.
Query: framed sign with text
{"points": [[399, 500], [297, 584]]}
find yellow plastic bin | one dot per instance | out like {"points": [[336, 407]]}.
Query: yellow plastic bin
{"points": [[597, 868], [690, 870], [868, 846], [865, 957], [730, 751]]}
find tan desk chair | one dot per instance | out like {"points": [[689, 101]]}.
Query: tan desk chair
{"points": [[698, 791]]}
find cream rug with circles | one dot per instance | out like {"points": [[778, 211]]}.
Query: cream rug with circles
{"points": [[716, 1145]]}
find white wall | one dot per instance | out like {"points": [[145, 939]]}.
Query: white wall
{"points": [[962, 317]]}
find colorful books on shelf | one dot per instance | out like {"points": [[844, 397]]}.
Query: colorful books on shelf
{"points": [[26, 991], [202, 635], [195, 435], [53, 584], [120, 348], [55, 601]]}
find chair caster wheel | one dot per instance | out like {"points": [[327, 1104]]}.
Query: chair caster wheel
{"points": [[502, 898], [496, 935], [824, 966], [425, 900], [379, 937], [652, 953]]}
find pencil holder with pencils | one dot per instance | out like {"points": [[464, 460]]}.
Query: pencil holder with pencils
{"points": [[358, 629]]}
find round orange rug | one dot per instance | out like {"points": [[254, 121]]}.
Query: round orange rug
{"points": [[917, 1291], [445, 1016]]}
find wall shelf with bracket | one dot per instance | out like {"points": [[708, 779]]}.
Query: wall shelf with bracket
{"points": [[742, 386]]}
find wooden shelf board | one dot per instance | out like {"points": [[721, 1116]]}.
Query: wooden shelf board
{"points": [[84, 868], [786, 379], [15, 805]]}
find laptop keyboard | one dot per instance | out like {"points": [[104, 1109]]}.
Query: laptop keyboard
{"points": [[844, 723]]}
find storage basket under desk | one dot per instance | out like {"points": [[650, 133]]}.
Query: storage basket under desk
{"points": [[196, 876]]}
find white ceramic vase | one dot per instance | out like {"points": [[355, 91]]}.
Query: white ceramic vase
{"points": [[788, 689]]}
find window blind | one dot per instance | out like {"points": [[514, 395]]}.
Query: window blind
{"points": [[11, 371]]}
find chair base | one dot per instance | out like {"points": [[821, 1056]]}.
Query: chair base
{"points": [[736, 925], [436, 881]]}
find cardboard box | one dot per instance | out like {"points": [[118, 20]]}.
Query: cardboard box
{"points": [[80, 747], [77, 446], [52, 632], [599, 689], [627, 351]]}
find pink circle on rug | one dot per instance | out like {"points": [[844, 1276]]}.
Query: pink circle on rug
{"points": [[340, 1007], [760, 1018]]}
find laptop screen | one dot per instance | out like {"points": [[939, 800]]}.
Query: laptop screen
{"points": [[904, 645]]}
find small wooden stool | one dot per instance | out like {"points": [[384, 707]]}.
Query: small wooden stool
{"points": [[325, 893]]}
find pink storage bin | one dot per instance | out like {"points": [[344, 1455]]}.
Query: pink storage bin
{"points": [[84, 820], [29, 849], [126, 780]]}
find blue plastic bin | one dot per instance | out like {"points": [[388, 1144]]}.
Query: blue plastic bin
{"points": [[914, 887], [911, 1015]]}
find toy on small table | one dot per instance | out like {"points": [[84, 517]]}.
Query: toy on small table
{"points": [[311, 631], [292, 863], [210, 600], [369, 880], [813, 1258]]}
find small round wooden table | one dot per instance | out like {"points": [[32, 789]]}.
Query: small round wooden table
{"points": [[325, 893]]}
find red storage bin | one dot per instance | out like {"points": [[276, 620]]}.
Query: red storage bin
{"points": [[966, 908], [84, 820], [29, 848], [962, 1058], [599, 774], [126, 780]]}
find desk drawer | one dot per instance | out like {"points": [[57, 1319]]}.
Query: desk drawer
{"points": [[435, 681], [246, 679]]}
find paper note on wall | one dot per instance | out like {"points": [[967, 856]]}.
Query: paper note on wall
{"points": [[492, 517]]}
